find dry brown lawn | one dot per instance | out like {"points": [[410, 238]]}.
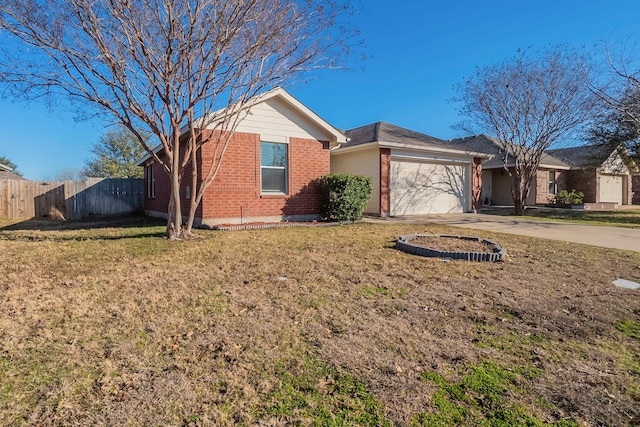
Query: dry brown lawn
{"points": [[310, 326]]}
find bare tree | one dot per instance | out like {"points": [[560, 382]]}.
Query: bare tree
{"points": [[530, 103], [617, 85], [69, 174], [168, 67]]}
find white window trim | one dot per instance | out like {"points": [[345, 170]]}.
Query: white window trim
{"points": [[275, 140], [151, 182], [554, 182]]}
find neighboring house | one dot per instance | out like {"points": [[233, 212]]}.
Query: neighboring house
{"points": [[602, 174], [496, 182], [6, 173], [412, 173], [268, 171]]}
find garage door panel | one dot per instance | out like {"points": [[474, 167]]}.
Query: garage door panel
{"points": [[611, 188], [427, 188]]}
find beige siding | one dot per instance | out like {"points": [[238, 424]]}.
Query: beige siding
{"points": [[501, 194], [487, 186], [366, 163], [275, 117]]}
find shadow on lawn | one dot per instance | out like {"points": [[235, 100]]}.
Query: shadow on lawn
{"points": [[143, 223]]}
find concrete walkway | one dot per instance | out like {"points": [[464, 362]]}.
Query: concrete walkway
{"points": [[608, 237]]}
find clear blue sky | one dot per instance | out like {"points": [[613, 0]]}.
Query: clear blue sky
{"points": [[419, 49]]}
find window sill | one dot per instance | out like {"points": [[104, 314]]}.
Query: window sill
{"points": [[273, 196]]}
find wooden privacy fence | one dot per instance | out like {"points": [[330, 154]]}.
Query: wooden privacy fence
{"points": [[21, 199]]}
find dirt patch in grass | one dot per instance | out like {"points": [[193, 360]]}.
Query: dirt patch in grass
{"points": [[326, 326], [452, 244]]}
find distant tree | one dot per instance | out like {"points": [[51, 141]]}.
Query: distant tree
{"points": [[116, 155], [69, 174], [5, 161], [618, 88], [617, 127], [530, 103], [186, 71]]}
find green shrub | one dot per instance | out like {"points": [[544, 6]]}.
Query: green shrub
{"points": [[570, 198], [344, 197]]}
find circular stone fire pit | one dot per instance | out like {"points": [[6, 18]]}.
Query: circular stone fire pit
{"points": [[497, 253]]}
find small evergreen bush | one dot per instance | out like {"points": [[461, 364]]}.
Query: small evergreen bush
{"points": [[570, 198], [344, 197]]}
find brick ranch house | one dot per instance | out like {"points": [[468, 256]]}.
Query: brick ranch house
{"points": [[281, 147], [603, 174]]}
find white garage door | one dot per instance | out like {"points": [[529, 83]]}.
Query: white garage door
{"points": [[611, 188], [429, 188]]}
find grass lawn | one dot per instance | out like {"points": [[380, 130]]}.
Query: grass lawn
{"points": [[310, 326], [629, 218]]}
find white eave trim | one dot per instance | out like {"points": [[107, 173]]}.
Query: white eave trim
{"points": [[540, 166], [335, 136], [148, 157], [411, 147]]}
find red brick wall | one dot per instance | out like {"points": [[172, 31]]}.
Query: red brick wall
{"points": [[584, 180], [235, 193], [476, 184], [162, 184], [542, 186], [636, 189], [628, 198], [236, 190], [385, 183]]}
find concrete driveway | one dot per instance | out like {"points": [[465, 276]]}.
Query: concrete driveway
{"points": [[608, 237]]}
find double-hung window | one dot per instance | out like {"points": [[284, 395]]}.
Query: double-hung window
{"points": [[273, 168], [151, 181], [552, 182]]}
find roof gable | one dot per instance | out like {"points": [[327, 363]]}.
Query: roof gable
{"points": [[278, 110], [260, 116], [583, 156], [603, 157]]}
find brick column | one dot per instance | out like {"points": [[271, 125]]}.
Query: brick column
{"points": [[385, 181], [476, 184]]}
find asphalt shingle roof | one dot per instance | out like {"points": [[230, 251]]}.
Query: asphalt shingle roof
{"points": [[387, 132], [486, 144], [584, 156]]}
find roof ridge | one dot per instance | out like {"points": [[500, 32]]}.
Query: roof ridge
{"points": [[376, 131]]}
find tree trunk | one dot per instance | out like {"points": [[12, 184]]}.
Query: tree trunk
{"points": [[518, 193], [174, 223], [194, 199]]}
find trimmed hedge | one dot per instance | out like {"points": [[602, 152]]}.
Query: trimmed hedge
{"points": [[344, 197]]}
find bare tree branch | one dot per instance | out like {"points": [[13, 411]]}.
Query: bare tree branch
{"points": [[529, 103], [155, 65]]}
